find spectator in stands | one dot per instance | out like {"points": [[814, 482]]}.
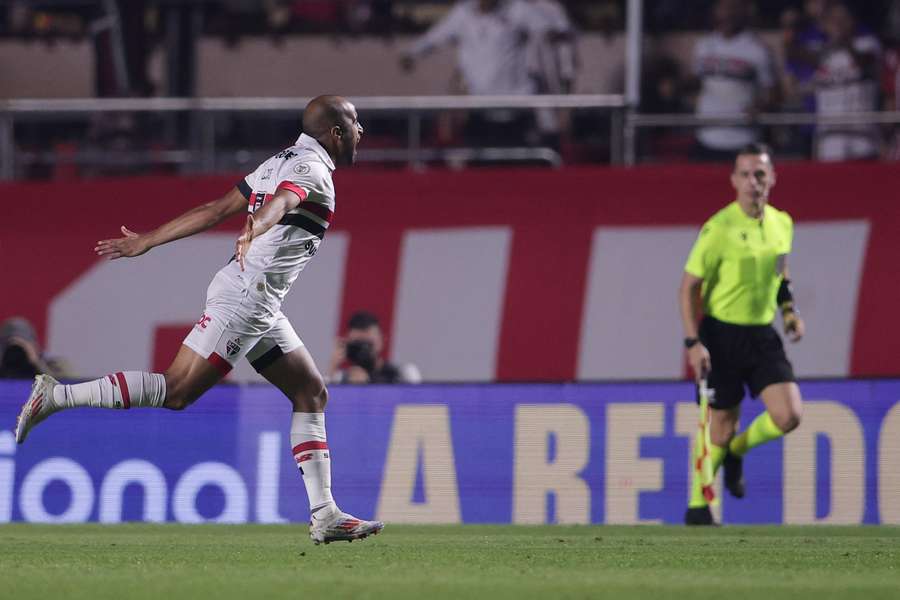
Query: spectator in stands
{"points": [[803, 39], [736, 77], [491, 39], [20, 353], [358, 356], [551, 56], [890, 75], [846, 80]]}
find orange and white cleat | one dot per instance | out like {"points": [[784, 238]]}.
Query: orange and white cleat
{"points": [[39, 406], [340, 526]]}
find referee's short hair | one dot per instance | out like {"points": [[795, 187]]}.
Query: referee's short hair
{"points": [[756, 149]]}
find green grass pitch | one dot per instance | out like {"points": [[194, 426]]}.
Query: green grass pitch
{"points": [[430, 562]]}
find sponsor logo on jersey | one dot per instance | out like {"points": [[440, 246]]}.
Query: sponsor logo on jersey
{"points": [[311, 247], [286, 154], [233, 346], [301, 169], [201, 324]]}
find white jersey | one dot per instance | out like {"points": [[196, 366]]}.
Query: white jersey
{"points": [[277, 257], [733, 71], [491, 47], [842, 87], [550, 61]]}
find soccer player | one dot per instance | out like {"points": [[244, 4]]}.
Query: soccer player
{"points": [[290, 198], [738, 269]]}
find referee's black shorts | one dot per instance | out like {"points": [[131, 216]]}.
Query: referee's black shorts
{"points": [[750, 355]]}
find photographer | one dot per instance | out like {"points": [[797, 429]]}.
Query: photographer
{"points": [[358, 356], [20, 355]]}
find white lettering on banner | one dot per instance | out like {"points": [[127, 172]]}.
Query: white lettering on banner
{"points": [[69, 472], [627, 474], [632, 282], [107, 318], [687, 421], [829, 310], [420, 433], [130, 472], [267, 463], [537, 474], [848, 466], [7, 475], [888, 471], [184, 500], [449, 307]]}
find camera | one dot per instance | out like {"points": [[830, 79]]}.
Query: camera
{"points": [[15, 363], [361, 353]]}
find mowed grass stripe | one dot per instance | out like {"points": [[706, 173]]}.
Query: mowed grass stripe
{"points": [[430, 562]]}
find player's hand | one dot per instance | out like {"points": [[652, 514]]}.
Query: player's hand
{"points": [[698, 358], [242, 245], [133, 244], [794, 327]]}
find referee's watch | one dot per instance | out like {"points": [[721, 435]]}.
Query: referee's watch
{"points": [[690, 342]]}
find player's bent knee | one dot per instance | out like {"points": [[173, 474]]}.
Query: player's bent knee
{"points": [[312, 398]]}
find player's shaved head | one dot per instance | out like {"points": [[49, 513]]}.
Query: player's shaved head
{"points": [[333, 122], [324, 112]]}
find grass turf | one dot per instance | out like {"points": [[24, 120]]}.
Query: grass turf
{"points": [[430, 562]]}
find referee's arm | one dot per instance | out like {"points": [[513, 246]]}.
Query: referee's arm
{"points": [[794, 327], [689, 303]]}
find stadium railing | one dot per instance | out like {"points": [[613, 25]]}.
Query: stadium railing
{"points": [[201, 153], [634, 122]]}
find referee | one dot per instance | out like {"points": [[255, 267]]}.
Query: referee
{"points": [[737, 272]]}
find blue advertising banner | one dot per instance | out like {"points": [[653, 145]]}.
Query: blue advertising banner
{"points": [[555, 453]]}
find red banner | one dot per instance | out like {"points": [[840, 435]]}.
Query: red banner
{"points": [[479, 274]]}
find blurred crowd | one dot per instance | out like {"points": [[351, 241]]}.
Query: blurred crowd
{"points": [[824, 58], [819, 57]]}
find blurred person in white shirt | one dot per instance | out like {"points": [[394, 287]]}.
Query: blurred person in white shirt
{"points": [[736, 76], [491, 38], [846, 81]]}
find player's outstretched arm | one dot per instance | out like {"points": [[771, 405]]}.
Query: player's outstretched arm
{"points": [[193, 221], [262, 220]]}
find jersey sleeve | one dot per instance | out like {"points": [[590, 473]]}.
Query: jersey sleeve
{"points": [[247, 184], [301, 176], [443, 32], [704, 256], [788, 240]]}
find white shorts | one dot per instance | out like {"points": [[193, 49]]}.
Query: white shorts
{"points": [[232, 327]]}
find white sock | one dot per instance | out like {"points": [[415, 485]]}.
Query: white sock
{"points": [[313, 458], [118, 390]]}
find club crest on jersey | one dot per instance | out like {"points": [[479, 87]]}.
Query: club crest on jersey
{"points": [[301, 169], [233, 346]]}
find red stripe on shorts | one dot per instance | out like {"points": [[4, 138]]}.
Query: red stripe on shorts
{"points": [[123, 387], [306, 446], [219, 363]]}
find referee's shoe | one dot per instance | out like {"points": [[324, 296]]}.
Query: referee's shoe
{"points": [[733, 466], [699, 515]]}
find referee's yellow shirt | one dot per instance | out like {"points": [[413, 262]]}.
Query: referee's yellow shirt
{"points": [[741, 260]]}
